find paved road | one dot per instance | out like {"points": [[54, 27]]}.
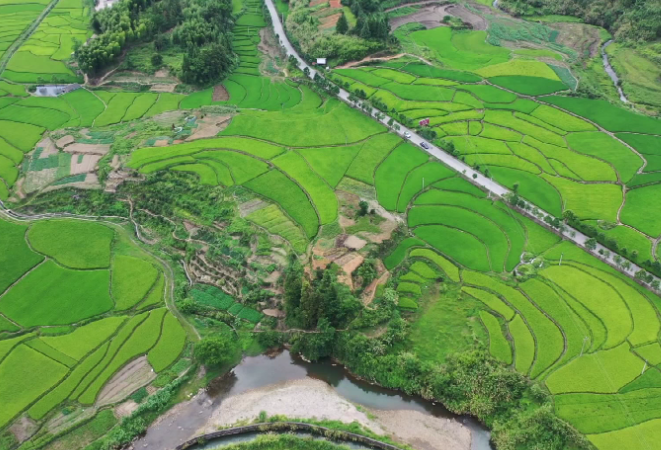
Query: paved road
{"points": [[454, 163]]}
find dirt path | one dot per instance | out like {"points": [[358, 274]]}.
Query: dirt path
{"points": [[381, 58], [404, 5], [431, 16]]}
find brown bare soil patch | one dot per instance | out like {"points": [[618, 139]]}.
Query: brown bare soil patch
{"points": [[18, 190], [349, 263], [132, 377], [23, 428], [476, 21], [162, 73], [87, 164], [163, 87], [64, 141], [582, 38], [266, 44], [348, 202], [125, 409], [329, 21], [47, 146], [210, 126], [91, 181], [220, 94], [115, 164], [37, 180], [387, 228], [273, 313], [335, 4], [161, 143], [92, 149], [370, 291], [346, 222], [429, 16], [354, 242], [64, 421], [169, 117], [251, 206]]}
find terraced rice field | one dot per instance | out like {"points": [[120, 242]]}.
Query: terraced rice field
{"points": [[305, 160], [24, 119], [16, 19], [586, 332], [581, 328], [557, 159], [58, 273], [44, 55]]}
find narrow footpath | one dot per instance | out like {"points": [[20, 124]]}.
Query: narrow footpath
{"points": [[475, 177]]}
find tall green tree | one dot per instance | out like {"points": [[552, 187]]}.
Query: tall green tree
{"points": [[309, 309], [329, 300], [342, 25], [212, 351], [293, 286]]}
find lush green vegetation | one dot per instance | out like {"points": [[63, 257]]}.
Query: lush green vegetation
{"points": [[476, 304], [635, 23], [43, 372], [62, 240]]}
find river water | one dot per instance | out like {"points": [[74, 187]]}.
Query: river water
{"points": [[611, 73], [259, 371]]}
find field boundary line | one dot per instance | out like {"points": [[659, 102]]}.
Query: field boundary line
{"points": [[479, 179], [518, 312], [563, 293], [624, 300], [562, 332], [169, 298], [9, 53], [486, 247], [25, 337], [121, 346], [477, 213], [33, 268], [12, 321], [68, 375]]}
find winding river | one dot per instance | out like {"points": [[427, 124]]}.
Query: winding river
{"points": [[260, 371], [611, 72]]}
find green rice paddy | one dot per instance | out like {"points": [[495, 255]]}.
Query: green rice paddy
{"points": [[59, 272], [584, 331]]}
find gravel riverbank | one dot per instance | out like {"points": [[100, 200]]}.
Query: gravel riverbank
{"points": [[314, 399]]}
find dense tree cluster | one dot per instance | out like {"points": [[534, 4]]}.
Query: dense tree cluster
{"points": [[518, 410], [309, 301], [202, 30], [371, 21], [370, 34], [628, 19]]}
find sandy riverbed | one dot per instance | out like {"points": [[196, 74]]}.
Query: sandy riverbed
{"points": [[314, 399]]}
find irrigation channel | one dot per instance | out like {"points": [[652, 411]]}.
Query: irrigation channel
{"points": [[270, 370], [475, 177], [611, 72]]}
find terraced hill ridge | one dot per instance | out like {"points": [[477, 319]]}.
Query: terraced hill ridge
{"points": [[78, 302]]}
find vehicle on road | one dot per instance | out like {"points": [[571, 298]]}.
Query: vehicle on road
{"points": [[407, 135], [424, 145]]}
